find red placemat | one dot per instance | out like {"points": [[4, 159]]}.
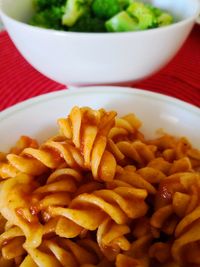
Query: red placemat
{"points": [[181, 78]]}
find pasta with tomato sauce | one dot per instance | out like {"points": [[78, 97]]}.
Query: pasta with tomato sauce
{"points": [[100, 193]]}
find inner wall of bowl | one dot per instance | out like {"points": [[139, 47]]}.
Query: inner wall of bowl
{"points": [[181, 9], [22, 10]]}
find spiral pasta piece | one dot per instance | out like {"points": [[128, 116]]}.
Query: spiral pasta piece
{"points": [[15, 208], [117, 204], [11, 246], [135, 152], [88, 130], [124, 260], [92, 136], [98, 204], [125, 128], [7, 170], [63, 252], [132, 178], [172, 148], [178, 214], [111, 240], [142, 236], [57, 189]]}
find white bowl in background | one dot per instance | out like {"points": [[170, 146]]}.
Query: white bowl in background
{"points": [[37, 117], [98, 58]]}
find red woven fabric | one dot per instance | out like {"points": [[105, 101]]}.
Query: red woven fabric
{"points": [[181, 78]]}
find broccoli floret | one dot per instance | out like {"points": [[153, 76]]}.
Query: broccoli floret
{"points": [[155, 10], [87, 23], [164, 19], [105, 9], [143, 14], [49, 18], [46, 4], [98, 15], [74, 10], [121, 22], [125, 3]]}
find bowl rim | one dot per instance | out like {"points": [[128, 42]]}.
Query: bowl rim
{"points": [[63, 33], [5, 114]]}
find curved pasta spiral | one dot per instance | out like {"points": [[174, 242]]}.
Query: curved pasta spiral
{"points": [[57, 190], [135, 152], [11, 240], [111, 239], [126, 142], [82, 144], [15, 202], [11, 245], [129, 177], [60, 252], [172, 149], [116, 203], [88, 129], [6, 169], [112, 209], [137, 255], [177, 211]]}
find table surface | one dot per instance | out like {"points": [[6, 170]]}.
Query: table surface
{"points": [[20, 81]]}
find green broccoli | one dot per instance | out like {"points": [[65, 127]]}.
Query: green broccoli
{"points": [[48, 18], [125, 3], [87, 23], [138, 16], [98, 15], [121, 22], [105, 9], [46, 4], [164, 19], [74, 9], [143, 14], [155, 10]]}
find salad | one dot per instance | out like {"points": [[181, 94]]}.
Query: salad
{"points": [[98, 15]]}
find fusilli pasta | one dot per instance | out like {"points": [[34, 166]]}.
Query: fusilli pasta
{"points": [[100, 194]]}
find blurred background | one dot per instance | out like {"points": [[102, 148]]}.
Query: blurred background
{"points": [[1, 25]]}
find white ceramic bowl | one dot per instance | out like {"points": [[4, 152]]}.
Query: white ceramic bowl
{"points": [[37, 117], [98, 58]]}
